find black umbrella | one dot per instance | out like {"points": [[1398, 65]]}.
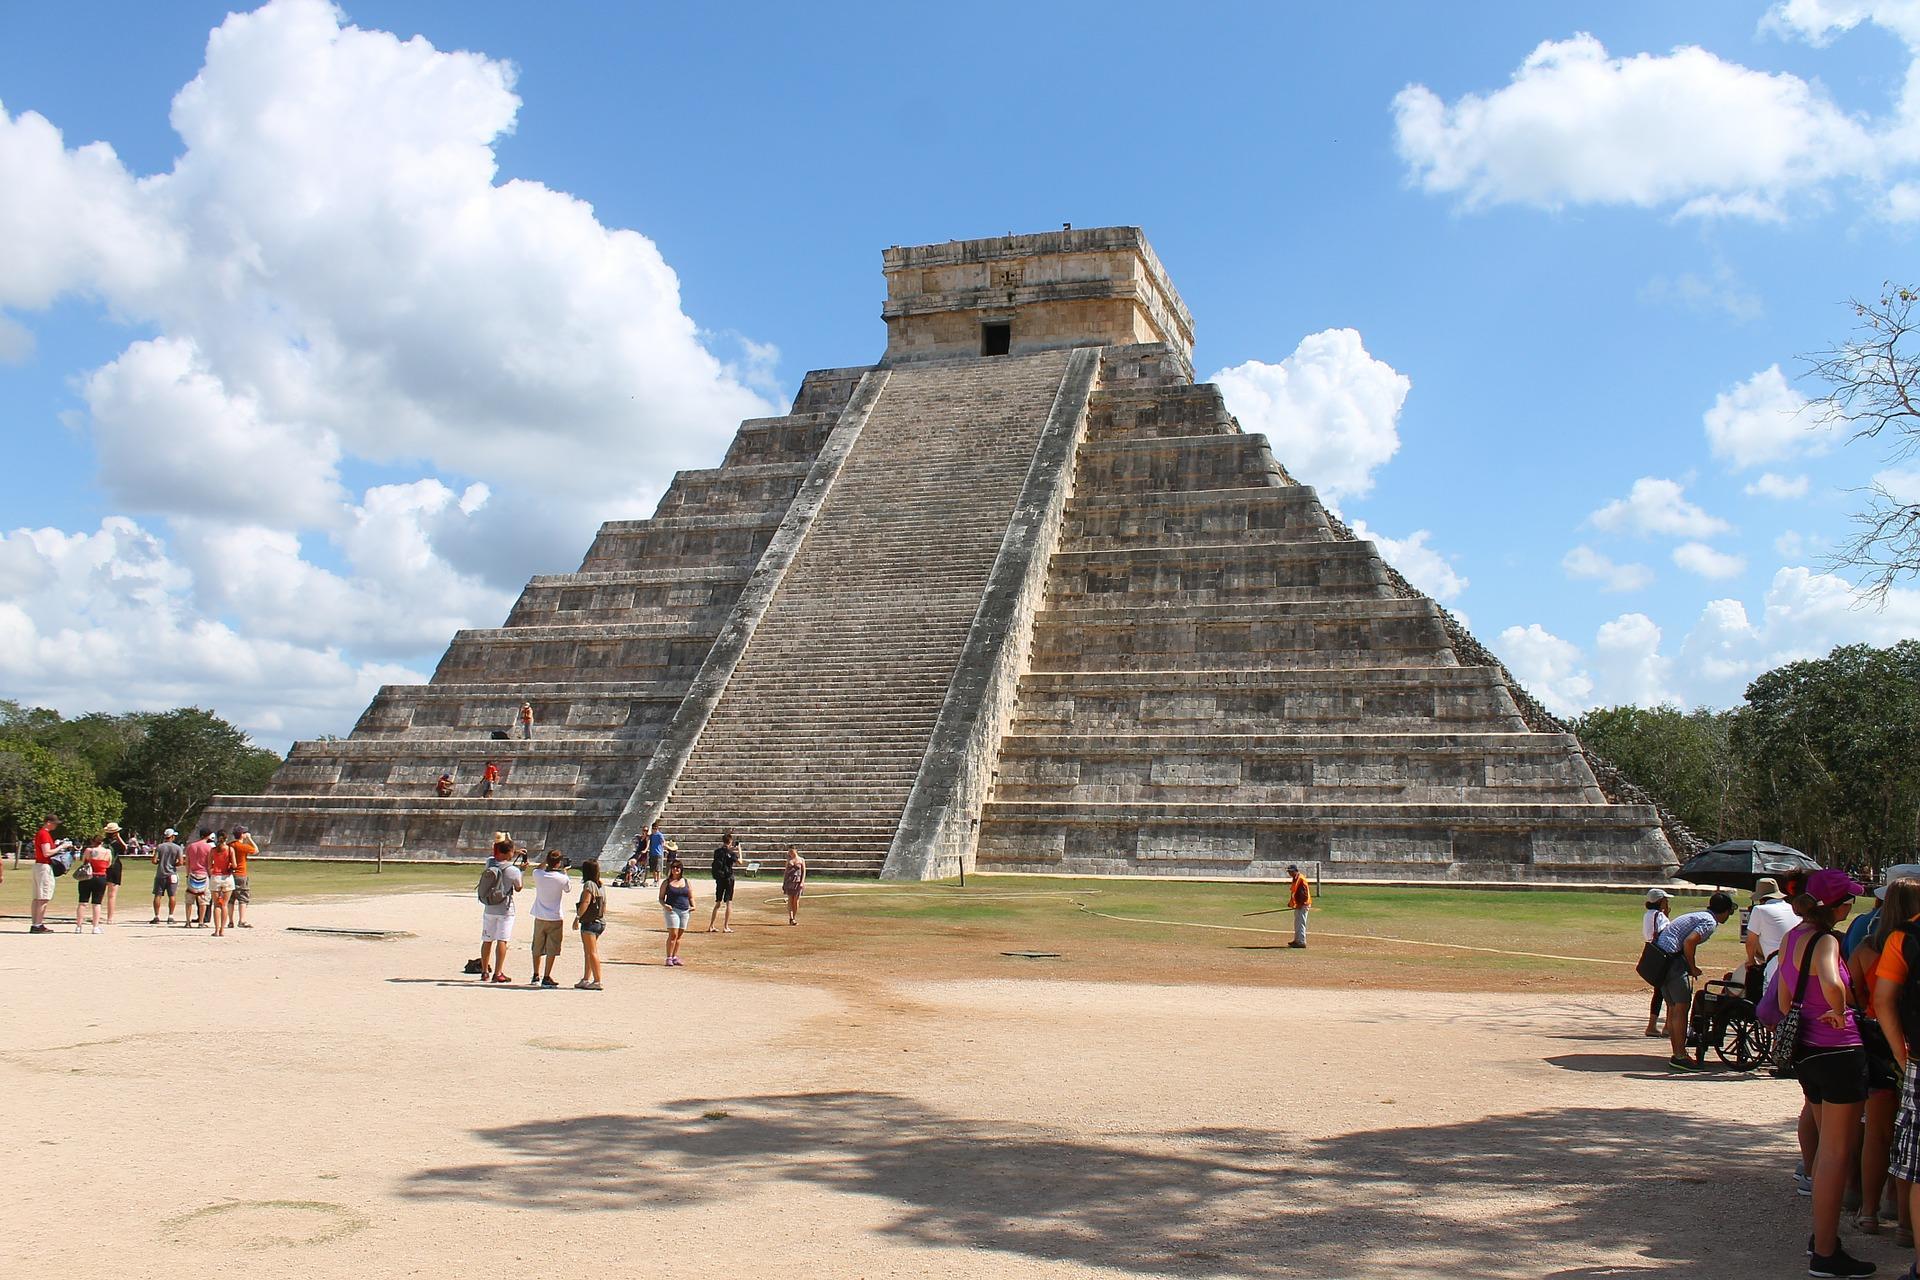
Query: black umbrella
{"points": [[1738, 863]]}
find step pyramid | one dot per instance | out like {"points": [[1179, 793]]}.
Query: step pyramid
{"points": [[1020, 597]]}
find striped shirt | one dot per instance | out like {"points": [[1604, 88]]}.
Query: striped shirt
{"points": [[1675, 935]]}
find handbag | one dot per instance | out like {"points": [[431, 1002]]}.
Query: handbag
{"points": [[1654, 964], [1786, 1041]]}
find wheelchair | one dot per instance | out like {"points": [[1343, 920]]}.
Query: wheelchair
{"points": [[1726, 1023]]}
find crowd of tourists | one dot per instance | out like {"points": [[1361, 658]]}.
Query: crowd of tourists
{"points": [[1842, 991], [217, 868], [655, 862]]}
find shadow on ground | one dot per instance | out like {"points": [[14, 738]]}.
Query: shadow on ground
{"points": [[1577, 1192]]}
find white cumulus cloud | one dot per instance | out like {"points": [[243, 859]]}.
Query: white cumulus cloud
{"points": [[1700, 559], [1584, 563], [1685, 130], [1657, 506], [1330, 409], [1764, 420]]}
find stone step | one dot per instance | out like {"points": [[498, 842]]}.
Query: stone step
{"points": [[1382, 699], [1358, 633], [1176, 463]]}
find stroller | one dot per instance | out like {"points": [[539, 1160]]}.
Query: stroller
{"points": [[1725, 1021]]}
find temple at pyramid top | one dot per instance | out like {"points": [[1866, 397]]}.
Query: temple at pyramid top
{"points": [[1019, 595], [1014, 295]]}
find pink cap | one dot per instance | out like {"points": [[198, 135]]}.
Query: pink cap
{"points": [[1831, 887]]}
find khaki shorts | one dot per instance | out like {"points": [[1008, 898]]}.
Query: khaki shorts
{"points": [[240, 891], [546, 937], [42, 882]]}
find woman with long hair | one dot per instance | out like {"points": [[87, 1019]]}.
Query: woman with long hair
{"points": [[1900, 905], [792, 880], [1829, 1059], [590, 918], [676, 904]]}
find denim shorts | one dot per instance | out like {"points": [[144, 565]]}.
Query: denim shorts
{"points": [[594, 927], [676, 919]]}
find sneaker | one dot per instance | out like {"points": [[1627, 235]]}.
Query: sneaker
{"points": [[1838, 1263], [155, 920], [1802, 1184], [548, 982], [39, 928], [1682, 1064], [78, 929], [533, 980], [96, 929], [1296, 946]]}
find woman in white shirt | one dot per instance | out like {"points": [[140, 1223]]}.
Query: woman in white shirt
{"points": [[1651, 924], [1768, 924]]}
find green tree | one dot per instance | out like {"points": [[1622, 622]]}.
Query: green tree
{"points": [[1683, 758], [35, 784], [186, 757], [1831, 746]]}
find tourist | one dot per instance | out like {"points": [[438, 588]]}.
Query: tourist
{"points": [[656, 851], [117, 846], [443, 786], [1652, 921], [1300, 898], [676, 904], [1899, 903], [489, 778], [166, 872], [199, 894], [633, 873], [1679, 940], [220, 868], [90, 880], [499, 881], [243, 849], [551, 885], [526, 720], [43, 875], [1896, 1003], [726, 861], [1768, 924], [793, 878], [1829, 1060], [590, 918]]}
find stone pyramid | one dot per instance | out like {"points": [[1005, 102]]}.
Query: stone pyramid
{"points": [[1022, 596]]}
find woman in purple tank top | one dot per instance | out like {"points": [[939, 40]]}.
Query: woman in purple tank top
{"points": [[1831, 1063]]}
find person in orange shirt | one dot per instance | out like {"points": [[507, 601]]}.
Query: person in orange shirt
{"points": [[489, 778], [1300, 898], [526, 720], [243, 849], [1896, 1004]]}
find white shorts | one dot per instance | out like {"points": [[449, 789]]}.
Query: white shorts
{"points": [[42, 882], [496, 928], [223, 884], [675, 919]]}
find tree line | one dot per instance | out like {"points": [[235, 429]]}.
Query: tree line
{"points": [[146, 770], [1821, 754]]}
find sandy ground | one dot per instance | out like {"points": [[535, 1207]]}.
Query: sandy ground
{"points": [[288, 1104]]}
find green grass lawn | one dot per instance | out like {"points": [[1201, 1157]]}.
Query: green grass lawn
{"points": [[1054, 914]]}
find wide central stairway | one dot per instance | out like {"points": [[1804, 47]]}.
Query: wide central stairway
{"points": [[821, 730]]}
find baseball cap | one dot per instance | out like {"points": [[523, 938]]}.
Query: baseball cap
{"points": [[1657, 895], [169, 833], [1767, 889], [1832, 886]]}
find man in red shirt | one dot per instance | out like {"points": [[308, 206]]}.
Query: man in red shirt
{"points": [[199, 886], [43, 875]]}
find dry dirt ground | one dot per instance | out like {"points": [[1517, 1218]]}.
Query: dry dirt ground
{"points": [[295, 1104]]}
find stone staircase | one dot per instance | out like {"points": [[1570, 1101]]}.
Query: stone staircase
{"points": [[1220, 683], [821, 730], [605, 655]]}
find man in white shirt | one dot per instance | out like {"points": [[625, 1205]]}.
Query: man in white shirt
{"points": [[1768, 923], [551, 885]]}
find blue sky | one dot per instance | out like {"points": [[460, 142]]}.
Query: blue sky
{"points": [[326, 389]]}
